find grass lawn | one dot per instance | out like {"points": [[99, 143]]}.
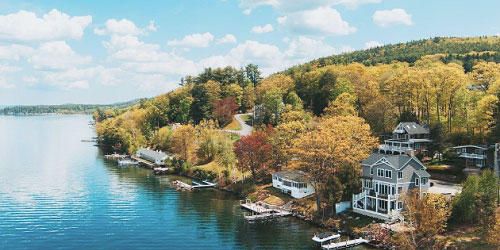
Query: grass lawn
{"points": [[246, 118], [234, 125], [466, 237], [213, 166]]}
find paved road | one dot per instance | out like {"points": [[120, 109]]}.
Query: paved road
{"points": [[443, 187], [245, 129]]}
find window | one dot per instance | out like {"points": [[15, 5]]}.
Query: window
{"points": [[388, 174], [417, 145], [368, 184], [400, 190], [400, 205], [400, 175], [371, 170], [380, 172], [464, 150], [417, 182]]}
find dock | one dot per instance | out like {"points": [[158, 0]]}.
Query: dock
{"points": [[263, 211], [143, 162], [345, 244], [160, 171], [115, 157], [184, 186]]}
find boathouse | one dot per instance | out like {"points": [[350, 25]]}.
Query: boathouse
{"points": [[296, 183], [156, 157]]}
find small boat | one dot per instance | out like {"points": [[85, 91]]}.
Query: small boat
{"points": [[127, 162]]}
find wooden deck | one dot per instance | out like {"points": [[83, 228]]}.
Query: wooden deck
{"points": [[345, 244], [143, 162], [263, 211]]}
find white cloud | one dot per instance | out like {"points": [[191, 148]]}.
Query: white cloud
{"points": [[385, 18], [152, 26], [262, 29], [121, 27], [127, 42], [247, 11], [4, 84], [322, 21], [15, 52], [346, 49], [229, 38], [193, 40], [56, 55], [372, 44], [80, 78], [287, 6], [8, 69], [55, 25], [305, 48]]}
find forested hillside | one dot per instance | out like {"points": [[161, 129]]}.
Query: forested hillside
{"points": [[465, 50], [65, 108], [424, 80]]}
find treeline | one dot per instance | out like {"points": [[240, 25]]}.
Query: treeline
{"points": [[464, 50], [215, 95], [65, 108]]}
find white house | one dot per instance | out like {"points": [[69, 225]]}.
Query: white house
{"points": [[156, 157], [293, 182]]}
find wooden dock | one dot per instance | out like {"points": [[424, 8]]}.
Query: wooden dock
{"points": [[345, 244], [160, 171], [184, 186], [263, 211], [143, 162], [115, 157]]}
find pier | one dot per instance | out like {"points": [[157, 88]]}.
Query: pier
{"points": [[143, 162], [184, 186], [263, 211], [115, 157], [345, 244]]}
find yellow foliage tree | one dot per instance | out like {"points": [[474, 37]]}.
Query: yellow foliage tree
{"points": [[336, 142]]}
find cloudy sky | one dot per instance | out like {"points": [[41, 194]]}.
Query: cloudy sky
{"points": [[54, 52]]}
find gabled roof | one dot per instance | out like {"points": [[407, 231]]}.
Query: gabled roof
{"points": [[152, 154], [293, 175], [414, 128], [422, 173], [395, 161]]}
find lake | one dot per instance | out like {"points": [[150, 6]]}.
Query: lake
{"points": [[57, 192]]}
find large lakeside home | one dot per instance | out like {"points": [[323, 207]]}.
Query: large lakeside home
{"points": [[474, 155], [408, 136], [296, 183], [384, 179], [156, 157]]}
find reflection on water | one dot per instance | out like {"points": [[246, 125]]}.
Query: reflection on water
{"points": [[57, 192]]}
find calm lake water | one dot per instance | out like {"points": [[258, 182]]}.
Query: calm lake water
{"points": [[57, 192]]}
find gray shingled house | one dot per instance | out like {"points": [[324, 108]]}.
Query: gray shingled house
{"points": [[408, 136], [385, 178]]}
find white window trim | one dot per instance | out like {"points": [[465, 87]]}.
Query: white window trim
{"points": [[417, 181], [400, 172]]}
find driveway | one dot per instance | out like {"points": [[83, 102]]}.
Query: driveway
{"points": [[245, 128], [443, 187]]}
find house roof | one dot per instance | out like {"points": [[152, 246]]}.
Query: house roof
{"points": [[152, 154], [397, 161], [293, 175], [415, 128], [422, 173]]}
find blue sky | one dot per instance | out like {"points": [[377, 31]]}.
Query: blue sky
{"points": [[54, 52]]}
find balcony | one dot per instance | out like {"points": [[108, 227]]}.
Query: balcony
{"points": [[472, 156], [386, 148]]}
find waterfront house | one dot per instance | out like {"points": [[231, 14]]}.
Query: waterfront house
{"points": [[474, 155], [156, 157], [408, 136], [384, 179], [296, 183]]}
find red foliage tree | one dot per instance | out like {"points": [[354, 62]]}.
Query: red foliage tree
{"points": [[254, 152], [224, 110]]}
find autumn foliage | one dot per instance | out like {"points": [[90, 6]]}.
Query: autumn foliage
{"points": [[224, 110], [254, 153]]}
